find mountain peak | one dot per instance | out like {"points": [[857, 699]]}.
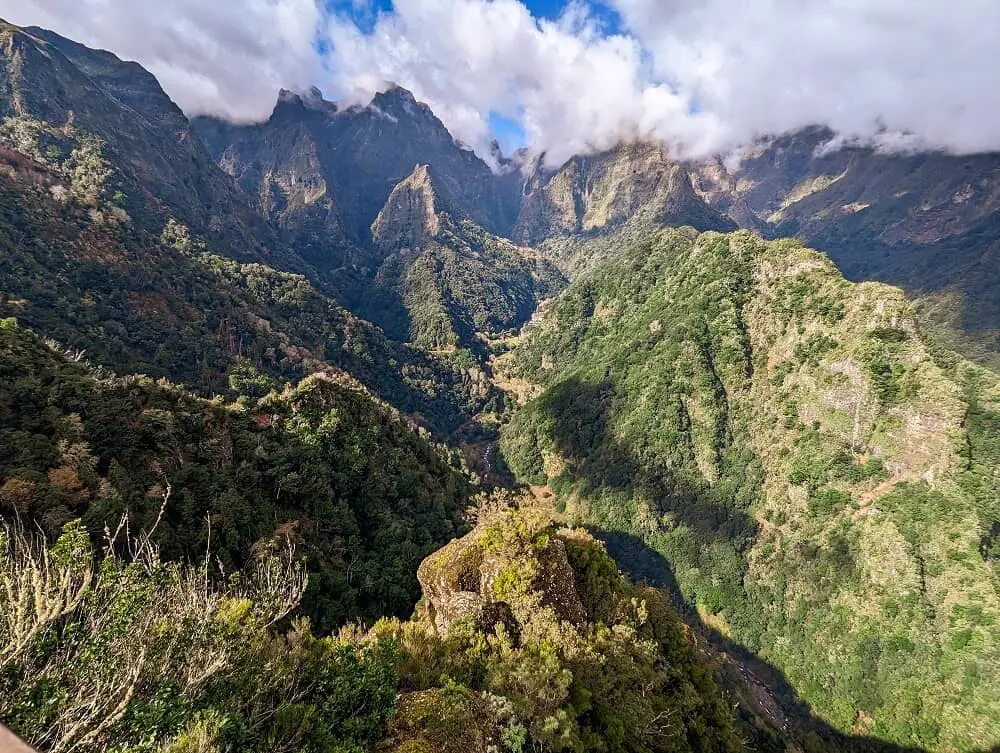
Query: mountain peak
{"points": [[310, 99], [598, 192], [126, 81], [393, 92], [410, 215], [400, 102]]}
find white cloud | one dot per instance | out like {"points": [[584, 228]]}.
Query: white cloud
{"points": [[924, 67], [572, 88], [225, 57], [703, 75]]}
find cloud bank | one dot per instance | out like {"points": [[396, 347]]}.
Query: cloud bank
{"points": [[222, 57], [705, 76]]}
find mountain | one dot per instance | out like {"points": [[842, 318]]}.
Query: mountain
{"points": [[820, 479], [528, 639], [597, 193], [360, 493], [359, 192], [459, 284], [110, 125], [323, 171], [231, 357], [169, 305], [123, 239], [924, 221]]}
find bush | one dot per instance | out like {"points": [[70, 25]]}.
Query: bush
{"points": [[131, 654], [828, 501]]}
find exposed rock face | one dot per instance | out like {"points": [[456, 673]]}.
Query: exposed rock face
{"points": [[313, 158], [476, 578], [160, 168], [925, 221], [808, 182], [600, 192], [409, 216]]}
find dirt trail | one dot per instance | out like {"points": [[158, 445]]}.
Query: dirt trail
{"points": [[542, 493], [870, 497], [764, 523], [768, 527]]}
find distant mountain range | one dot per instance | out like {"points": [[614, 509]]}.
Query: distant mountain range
{"points": [[341, 329], [927, 222]]}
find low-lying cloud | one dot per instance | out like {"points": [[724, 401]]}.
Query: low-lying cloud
{"points": [[221, 57], [705, 76]]}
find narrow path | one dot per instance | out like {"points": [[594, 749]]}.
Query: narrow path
{"points": [[768, 527], [870, 497]]}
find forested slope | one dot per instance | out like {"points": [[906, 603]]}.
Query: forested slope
{"points": [[458, 286], [529, 639], [363, 496], [77, 269], [823, 486]]}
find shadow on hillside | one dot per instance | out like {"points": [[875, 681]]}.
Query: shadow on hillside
{"points": [[919, 269], [761, 688], [577, 416]]}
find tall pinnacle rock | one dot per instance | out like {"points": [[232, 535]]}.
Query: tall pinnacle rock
{"points": [[409, 216]]}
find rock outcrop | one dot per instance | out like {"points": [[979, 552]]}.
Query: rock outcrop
{"points": [[409, 216], [602, 191], [487, 580], [533, 628]]}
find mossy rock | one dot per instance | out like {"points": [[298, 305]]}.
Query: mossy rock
{"points": [[501, 573], [448, 720]]}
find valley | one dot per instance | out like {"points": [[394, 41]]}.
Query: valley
{"points": [[323, 434]]}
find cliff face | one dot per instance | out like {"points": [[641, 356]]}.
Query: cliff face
{"points": [[315, 162], [409, 216], [809, 182], [924, 221], [110, 122], [600, 192], [796, 450], [458, 284]]}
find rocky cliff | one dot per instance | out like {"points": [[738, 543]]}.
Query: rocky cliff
{"points": [[600, 192], [113, 127], [314, 159], [575, 657], [924, 221], [409, 216]]}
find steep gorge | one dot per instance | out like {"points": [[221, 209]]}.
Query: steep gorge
{"points": [[794, 457], [793, 448]]}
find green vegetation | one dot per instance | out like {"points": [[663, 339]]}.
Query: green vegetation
{"points": [[567, 657], [167, 306], [204, 457], [790, 446], [135, 654], [131, 654], [363, 497], [466, 283]]}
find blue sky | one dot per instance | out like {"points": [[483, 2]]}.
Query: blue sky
{"points": [[363, 11], [508, 131]]}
